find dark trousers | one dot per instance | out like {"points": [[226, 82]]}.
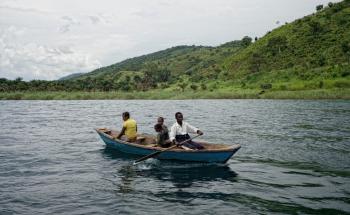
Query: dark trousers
{"points": [[190, 144]]}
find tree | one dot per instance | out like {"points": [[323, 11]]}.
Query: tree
{"points": [[345, 46], [203, 86], [320, 84], [315, 26], [4, 85], [154, 74], [163, 75], [246, 41], [337, 7], [319, 7], [277, 44], [194, 87], [137, 78], [255, 62], [18, 79], [125, 86], [266, 86], [182, 85], [149, 78]]}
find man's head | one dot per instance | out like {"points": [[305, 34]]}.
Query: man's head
{"points": [[160, 120], [158, 127], [126, 116], [179, 117]]}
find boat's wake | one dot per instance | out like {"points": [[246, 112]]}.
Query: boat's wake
{"points": [[148, 164]]}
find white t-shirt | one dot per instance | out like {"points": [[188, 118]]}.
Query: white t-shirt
{"points": [[177, 129]]}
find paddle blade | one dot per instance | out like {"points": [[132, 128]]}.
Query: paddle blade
{"points": [[147, 157], [158, 152]]}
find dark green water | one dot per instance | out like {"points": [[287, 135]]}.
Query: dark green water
{"points": [[294, 159]]}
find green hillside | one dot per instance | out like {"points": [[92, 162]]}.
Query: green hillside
{"points": [[311, 53], [71, 76], [317, 45], [163, 68]]}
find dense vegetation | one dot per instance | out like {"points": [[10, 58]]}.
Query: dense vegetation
{"points": [[312, 50], [312, 53]]}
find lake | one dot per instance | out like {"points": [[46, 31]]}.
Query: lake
{"points": [[295, 159]]}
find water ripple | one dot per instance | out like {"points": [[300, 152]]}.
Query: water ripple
{"points": [[294, 159]]}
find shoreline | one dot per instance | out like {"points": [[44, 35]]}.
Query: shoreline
{"points": [[171, 95]]}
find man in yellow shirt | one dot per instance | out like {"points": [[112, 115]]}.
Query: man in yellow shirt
{"points": [[129, 128]]}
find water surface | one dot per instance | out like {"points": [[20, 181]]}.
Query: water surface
{"points": [[294, 159]]}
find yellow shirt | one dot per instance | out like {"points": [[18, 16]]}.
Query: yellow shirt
{"points": [[130, 128]]}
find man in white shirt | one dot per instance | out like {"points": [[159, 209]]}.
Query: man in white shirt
{"points": [[179, 132]]}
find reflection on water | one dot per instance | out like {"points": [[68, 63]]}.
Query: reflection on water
{"points": [[127, 174], [115, 154], [186, 175], [180, 174]]}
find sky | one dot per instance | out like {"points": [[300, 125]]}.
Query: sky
{"points": [[49, 39]]}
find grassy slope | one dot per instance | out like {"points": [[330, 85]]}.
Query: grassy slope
{"points": [[304, 52], [168, 94], [180, 60]]}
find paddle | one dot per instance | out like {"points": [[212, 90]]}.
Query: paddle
{"points": [[158, 152]]}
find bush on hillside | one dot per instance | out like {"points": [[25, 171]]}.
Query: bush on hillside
{"points": [[266, 86], [255, 62], [277, 44], [319, 7], [194, 87], [246, 41], [342, 84]]}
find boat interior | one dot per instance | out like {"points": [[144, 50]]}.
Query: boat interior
{"points": [[147, 140]]}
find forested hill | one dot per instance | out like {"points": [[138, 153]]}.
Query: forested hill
{"points": [[310, 53], [316, 41], [71, 76], [315, 47], [194, 63]]}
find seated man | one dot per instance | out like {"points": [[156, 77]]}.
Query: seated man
{"points": [[129, 128], [162, 139], [179, 133], [160, 121]]}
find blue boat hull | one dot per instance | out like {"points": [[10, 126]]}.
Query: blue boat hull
{"points": [[206, 156]]}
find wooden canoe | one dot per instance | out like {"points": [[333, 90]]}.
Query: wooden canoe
{"points": [[145, 145]]}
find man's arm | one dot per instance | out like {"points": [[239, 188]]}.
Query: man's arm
{"points": [[158, 140], [121, 133], [172, 133], [193, 129]]}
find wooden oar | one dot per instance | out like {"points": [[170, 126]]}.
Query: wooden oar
{"points": [[158, 152]]}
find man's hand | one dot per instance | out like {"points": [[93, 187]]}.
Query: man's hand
{"points": [[175, 143], [199, 132]]}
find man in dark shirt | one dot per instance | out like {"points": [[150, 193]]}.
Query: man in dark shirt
{"points": [[160, 120], [162, 139]]}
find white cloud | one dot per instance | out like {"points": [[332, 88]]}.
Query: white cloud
{"points": [[47, 39], [95, 19], [34, 61], [68, 22]]}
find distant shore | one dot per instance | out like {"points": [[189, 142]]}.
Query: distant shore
{"points": [[164, 95]]}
